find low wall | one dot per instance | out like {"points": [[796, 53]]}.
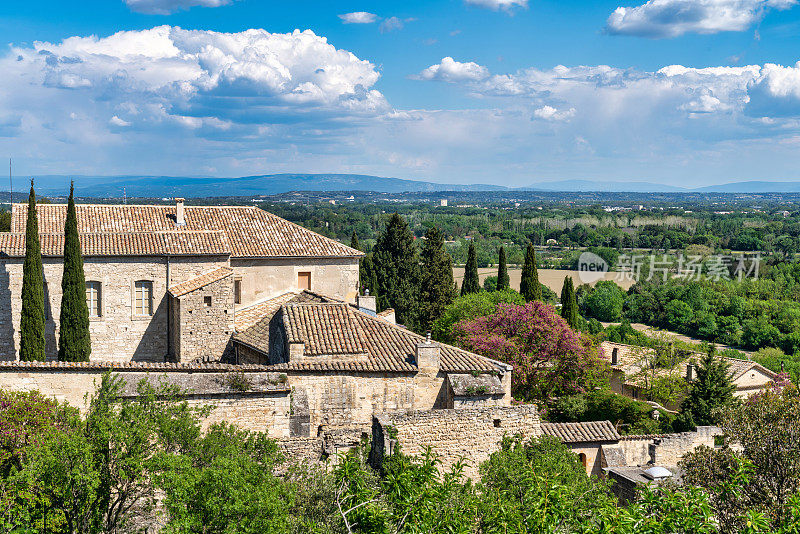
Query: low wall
{"points": [[468, 433], [251, 399], [666, 449]]}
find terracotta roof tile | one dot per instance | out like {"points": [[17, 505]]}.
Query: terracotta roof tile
{"points": [[250, 315], [352, 341], [251, 231], [197, 282], [179, 243], [581, 432]]}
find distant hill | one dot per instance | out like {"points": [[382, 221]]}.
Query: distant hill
{"points": [[271, 184], [588, 185], [167, 186]]}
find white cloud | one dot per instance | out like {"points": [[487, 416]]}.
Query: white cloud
{"points": [[550, 113], [165, 7], [505, 5], [358, 17], [116, 121], [672, 18], [393, 23], [450, 70]]}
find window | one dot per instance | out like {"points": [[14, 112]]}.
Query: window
{"points": [[207, 301], [237, 291], [304, 281], [93, 299], [143, 297]]}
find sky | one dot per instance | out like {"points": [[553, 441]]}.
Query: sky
{"points": [[508, 92]]}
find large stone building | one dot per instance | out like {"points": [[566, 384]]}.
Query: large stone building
{"points": [[164, 283]]}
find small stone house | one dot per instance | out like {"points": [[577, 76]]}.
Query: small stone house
{"points": [[627, 360]]}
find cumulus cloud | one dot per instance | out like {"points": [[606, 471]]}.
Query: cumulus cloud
{"points": [[165, 7], [549, 113], [496, 5], [358, 17], [672, 18], [450, 70]]}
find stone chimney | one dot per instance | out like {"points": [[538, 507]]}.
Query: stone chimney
{"points": [[180, 215], [428, 356], [690, 372], [296, 351], [367, 302], [615, 356]]}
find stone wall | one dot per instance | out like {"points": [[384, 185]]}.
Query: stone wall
{"points": [[471, 434], [118, 334], [264, 407], [266, 278], [666, 449], [204, 326]]}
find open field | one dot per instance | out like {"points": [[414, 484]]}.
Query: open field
{"points": [[552, 278]]}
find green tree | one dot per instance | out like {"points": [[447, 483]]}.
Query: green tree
{"points": [[354, 241], [711, 391], [397, 270], [368, 277], [471, 283], [437, 278], [490, 283], [529, 285], [503, 280], [604, 301], [74, 343], [31, 331], [469, 307], [569, 307]]}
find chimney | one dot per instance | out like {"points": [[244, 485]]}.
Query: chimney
{"points": [[615, 356], [690, 372], [428, 356], [296, 351], [180, 216], [366, 302]]}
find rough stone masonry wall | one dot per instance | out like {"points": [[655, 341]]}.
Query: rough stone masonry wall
{"points": [[668, 450], [264, 409], [117, 335], [203, 332], [266, 278], [472, 434]]}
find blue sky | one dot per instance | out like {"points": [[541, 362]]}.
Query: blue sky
{"points": [[514, 92]]}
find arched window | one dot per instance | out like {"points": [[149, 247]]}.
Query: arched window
{"points": [[143, 297], [94, 298], [582, 458]]}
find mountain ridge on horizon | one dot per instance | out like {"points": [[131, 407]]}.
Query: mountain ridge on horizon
{"points": [[269, 184]]}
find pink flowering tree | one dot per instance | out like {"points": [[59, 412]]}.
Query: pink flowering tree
{"points": [[549, 358]]}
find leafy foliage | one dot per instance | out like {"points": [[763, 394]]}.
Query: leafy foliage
{"points": [[710, 392], [503, 280], [530, 287], [74, 344], [31, 331], [549, 358], [437, 278], [569, 306], [470, 307], [397, 271], [470, 284]]}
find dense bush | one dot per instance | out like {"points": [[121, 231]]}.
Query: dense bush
{"points": [[470, 307], [628, 415]]}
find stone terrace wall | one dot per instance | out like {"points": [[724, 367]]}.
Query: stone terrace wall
{"points": [[469, 433], [264, 406], [666, 449]]}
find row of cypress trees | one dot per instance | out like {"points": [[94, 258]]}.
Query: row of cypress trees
{"points": [[74, 343]]}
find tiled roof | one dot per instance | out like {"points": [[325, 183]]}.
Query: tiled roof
{"points": [[178, 243], [252, 232], [629, 362], [197, 282], [581, 432], [250, 315], [386, 346], [324, 329]]}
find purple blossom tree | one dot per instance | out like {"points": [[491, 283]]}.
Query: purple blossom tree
{"points": [[549, 358]]}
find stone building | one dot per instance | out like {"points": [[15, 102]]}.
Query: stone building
{"points": [[164, 283], [627, 362]]}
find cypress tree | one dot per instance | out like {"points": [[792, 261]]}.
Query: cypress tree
{"points": [[354, 241], [368, 278], [471, 283], [437, 278], [569, 306], [396, 262], [503, 281], [529, 286], [710, 390], [74, 344], [31, 328]]}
